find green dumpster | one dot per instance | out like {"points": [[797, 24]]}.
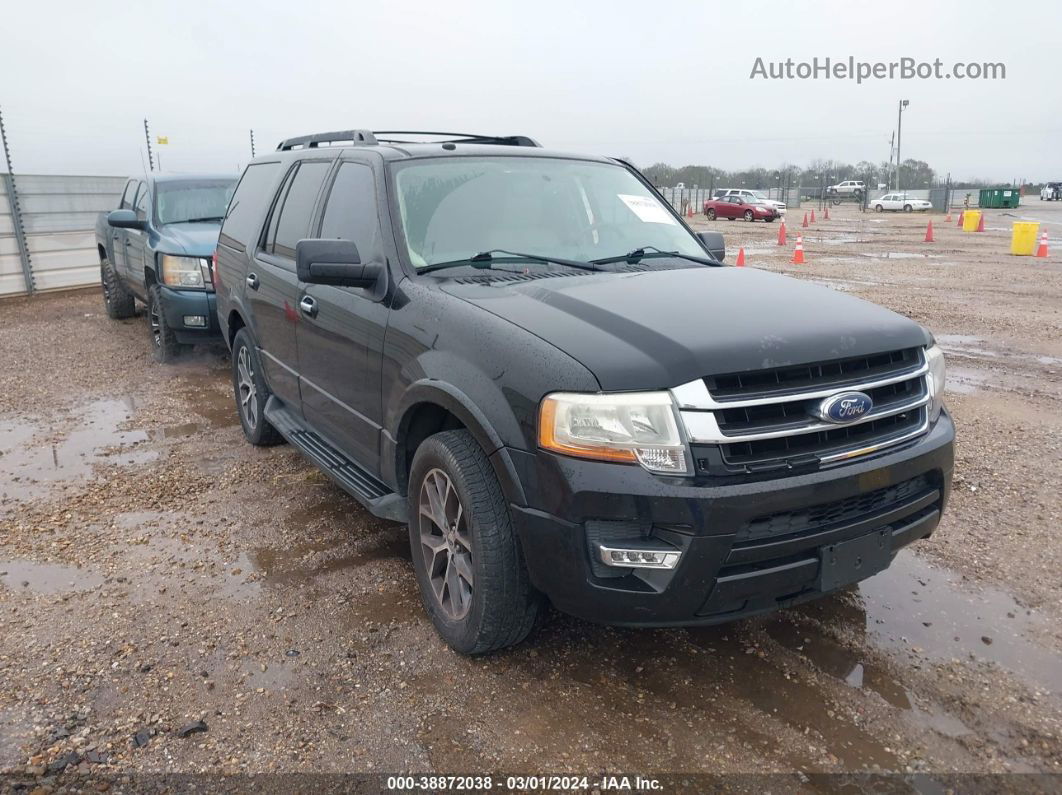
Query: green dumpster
{"points": [[999, 198]]}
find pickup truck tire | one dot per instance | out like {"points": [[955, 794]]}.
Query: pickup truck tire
{"points": [[119, 303], [251, 392], [471, 575], [164, 345]]}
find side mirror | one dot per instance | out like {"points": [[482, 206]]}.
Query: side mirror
{"points": [[713, 241], [124, 219], [334, 262]]}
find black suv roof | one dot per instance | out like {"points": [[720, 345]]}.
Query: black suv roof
{"points": [[446, 144]]}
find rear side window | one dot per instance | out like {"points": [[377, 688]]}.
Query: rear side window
{"points": [[350, 213], [294, 222], [245, 209]]}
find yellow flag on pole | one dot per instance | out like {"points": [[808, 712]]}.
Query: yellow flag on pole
{"points": [[163, 140]]}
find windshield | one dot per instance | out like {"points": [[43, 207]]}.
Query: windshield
{"points": [[759, 195], [454, 208], [192, 200]]}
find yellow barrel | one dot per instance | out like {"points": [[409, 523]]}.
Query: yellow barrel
{"points": [[970, 220], [1023, 238]]}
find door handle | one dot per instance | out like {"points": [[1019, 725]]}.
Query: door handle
{"points": [[308, 306], [252, 281]]}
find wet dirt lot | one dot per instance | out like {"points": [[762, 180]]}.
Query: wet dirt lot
{"points": [[156, 571]]}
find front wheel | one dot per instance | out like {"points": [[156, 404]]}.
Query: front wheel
{"points": [[466, 557], [710, 213], [164, 345], [748, 215], [251, 392], [878, 208], [907, 208]]}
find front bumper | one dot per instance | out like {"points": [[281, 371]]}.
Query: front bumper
{"points": [[748, 546], [177, 305]]}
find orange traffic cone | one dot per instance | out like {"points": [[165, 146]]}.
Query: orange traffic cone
{"points": [[781, 234], [981, 223], [929, 233], [812, 216], [962, 213], [1042, 250], [805, 224], [947, 218], [826, 217], [689, 210], [798, 253], [741, 258]]}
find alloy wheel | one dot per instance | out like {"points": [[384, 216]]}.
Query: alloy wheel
{"points": [[446, 544], [155, 319], [247, 389]]}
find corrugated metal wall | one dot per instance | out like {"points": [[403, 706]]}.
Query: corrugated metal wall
{"points": [[59, 218]]}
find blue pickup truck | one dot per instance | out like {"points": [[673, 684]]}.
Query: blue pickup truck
{"points": [[157, 247]]}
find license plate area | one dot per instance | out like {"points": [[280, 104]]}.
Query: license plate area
{"points": [[851, 561]]}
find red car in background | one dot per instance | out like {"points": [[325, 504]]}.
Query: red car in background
{"points": [[730, 207]]}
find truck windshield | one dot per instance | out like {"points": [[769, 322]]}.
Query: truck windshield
{"points": [[199, 200], [453, 208]]}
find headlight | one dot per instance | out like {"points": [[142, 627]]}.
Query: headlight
{"points": [[184, 271], [935, 360], [636, 427]]}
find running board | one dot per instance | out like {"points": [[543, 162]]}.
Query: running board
{"points": [[348, 475]]}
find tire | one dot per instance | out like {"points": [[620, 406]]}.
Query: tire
{"points": [[118, 302], [164, 345], [907, 208], [251, 393], [769, 220], [710, 213], [878, 208], [749, 216], [492, 604]]}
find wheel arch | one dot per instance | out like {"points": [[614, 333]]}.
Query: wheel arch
{"points": [[429, 407]]}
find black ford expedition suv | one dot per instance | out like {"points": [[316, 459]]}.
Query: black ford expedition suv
{"points": [[530, 359]]}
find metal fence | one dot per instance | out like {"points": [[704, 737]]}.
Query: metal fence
{"points": [[58, 220]]}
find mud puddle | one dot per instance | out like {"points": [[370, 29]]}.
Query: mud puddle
{"points": [[973, 347], [46, 578], [30, 465], [913, 608]]}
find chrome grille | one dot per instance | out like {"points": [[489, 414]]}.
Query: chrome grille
{"points": [[763, 420]]}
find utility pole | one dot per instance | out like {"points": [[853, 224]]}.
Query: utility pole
{"points": [[899, 132], [16, 213], [147, 137], [252, 143]]}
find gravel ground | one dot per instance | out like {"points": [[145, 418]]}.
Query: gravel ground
{"points": [[174, 600]]}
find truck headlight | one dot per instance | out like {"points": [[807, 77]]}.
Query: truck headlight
{"points": [[184, 271], [935, 360], [635, 427]]}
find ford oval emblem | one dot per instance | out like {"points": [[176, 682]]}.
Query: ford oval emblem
{"points": [[844, 407]]}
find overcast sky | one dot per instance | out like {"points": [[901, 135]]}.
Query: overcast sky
{"points": [[654, 81]]}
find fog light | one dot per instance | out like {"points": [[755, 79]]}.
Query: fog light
{"points": [[195, 320], [639, 558]]}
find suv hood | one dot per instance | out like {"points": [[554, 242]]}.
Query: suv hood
{"points": [[195, 240], [660, 329]]}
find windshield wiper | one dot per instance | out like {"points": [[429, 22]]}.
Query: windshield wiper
{"points": [[200, 220], [652, 251], [484, 259]]}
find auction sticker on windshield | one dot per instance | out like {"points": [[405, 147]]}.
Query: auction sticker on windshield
{"points": [[647, 209]]}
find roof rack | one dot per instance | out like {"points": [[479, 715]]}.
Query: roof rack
{"points": [[371, 137], [313, 141], [460, 138]]}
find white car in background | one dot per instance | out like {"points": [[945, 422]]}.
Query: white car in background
{"points": [[751, 197], [898, 201]]}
